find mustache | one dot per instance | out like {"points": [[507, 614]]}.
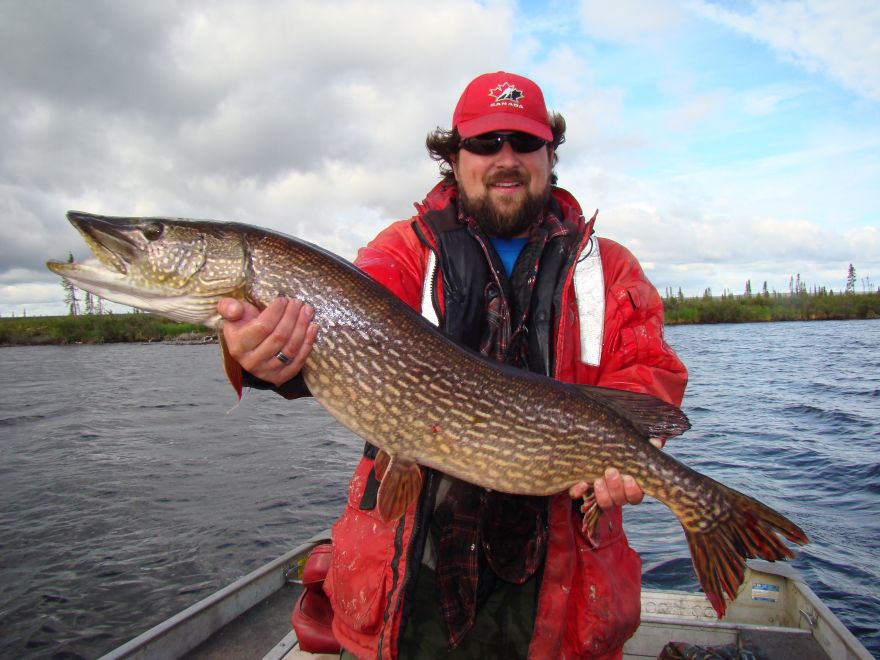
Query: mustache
{"points": [[506, 176]]}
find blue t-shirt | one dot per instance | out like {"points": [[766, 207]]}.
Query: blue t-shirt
{"points": [[508, 249]]}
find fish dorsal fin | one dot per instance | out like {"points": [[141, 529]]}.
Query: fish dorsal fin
{"points": [[655, 417], [401, 483], [230, 366]]}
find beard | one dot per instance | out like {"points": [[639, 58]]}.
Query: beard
{"points": [[509, 221]]}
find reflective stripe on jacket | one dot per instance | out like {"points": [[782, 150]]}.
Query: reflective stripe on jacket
{"points": [[589, 599]]}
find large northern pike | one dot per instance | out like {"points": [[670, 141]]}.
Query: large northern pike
{"points": [[395, 380]]}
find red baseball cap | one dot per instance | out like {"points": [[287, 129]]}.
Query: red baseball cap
{"points": [[501, 102]]}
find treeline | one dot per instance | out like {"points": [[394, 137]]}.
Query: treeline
{"points": [[820, 305], [97, 329], [800, 305]]}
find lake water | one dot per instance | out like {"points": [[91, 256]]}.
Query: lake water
{"points": [[132, 483]]}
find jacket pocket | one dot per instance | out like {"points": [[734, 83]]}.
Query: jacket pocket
{"points": [[363, 544], [607, 591]]}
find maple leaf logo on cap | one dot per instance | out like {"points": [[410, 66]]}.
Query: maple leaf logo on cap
{"points": [[506, 93]]}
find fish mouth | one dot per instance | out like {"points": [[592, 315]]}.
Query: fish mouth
{"points": [[107, 240], [113, 242]]}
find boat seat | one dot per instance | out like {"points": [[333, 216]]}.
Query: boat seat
{"points": [[312, 617]]}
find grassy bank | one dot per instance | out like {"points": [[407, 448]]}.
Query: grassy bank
{"points": [[96, 329], [762, 307], [110, 328]]}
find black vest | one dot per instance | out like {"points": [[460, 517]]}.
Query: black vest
{"points": [[472, 273]]}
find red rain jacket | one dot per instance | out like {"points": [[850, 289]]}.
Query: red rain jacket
{"points": [[589, 599]]}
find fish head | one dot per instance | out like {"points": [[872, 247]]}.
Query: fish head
{"points": [[176, 268]]}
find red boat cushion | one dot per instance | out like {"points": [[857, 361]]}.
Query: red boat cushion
{"points": [[317, 566], [312, 616]]}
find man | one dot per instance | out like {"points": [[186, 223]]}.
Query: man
{"points": [[505, 263]]}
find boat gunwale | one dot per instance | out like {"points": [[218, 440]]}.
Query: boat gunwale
{"points": [[188, 628]]}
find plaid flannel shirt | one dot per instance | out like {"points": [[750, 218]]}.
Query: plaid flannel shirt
{"points": [[486, 535]]}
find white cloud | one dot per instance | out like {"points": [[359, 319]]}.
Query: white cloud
{"points": [[565, 72], [310, 118], [695, 110], [693, 251], [769, 99], [31, 299], [631, 21], [840, 39], [761, 220], [306, 117], [864, 244]]}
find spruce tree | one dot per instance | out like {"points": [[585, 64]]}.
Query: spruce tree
{"points": [[70, 299], [851, 279]]}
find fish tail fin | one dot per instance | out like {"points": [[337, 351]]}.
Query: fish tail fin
{"points": [[746, 529]]}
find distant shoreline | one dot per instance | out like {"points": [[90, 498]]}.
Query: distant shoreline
{"points": [[139, 327], [100, 329], [767, 307]]}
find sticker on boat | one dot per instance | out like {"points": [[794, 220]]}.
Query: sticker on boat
{"points": [[765, 592]]}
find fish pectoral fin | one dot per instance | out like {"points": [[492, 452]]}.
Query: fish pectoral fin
{"points": [[230, 366], [401, 483], [652, 415], [380, 464], [590, 509]]}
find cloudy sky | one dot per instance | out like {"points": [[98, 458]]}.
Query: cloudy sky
{"points": [[720, 140]]}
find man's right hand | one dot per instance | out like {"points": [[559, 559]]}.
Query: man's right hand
{"points": [[255, 338]]}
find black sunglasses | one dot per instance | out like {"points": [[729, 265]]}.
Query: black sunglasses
{"points": [[491, 143]]}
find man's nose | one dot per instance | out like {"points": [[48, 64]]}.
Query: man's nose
{"points": [[507, 155]]}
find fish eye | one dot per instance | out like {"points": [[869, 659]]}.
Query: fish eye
{"points": [[153, 231]]}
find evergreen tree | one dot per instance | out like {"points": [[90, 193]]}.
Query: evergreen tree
{"points": [[89, 303], [748, 288], [851, 280], [70, 298]]}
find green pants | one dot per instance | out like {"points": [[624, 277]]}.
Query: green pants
{"points": [[503, 627]]}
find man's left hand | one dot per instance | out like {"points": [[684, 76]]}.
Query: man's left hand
{"points": [[613, 490]]}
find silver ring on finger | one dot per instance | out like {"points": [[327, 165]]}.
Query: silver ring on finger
{"points": [[282, 358]]}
